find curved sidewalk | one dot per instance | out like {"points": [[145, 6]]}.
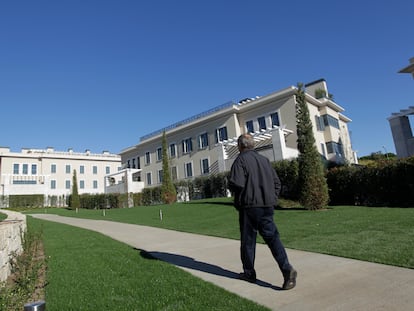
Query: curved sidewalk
{"points": [[324, 282]]}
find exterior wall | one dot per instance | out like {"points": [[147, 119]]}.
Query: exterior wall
{"points": [[43, 180], [275, 142], [11, 231], [123, 181], [402, 136]]}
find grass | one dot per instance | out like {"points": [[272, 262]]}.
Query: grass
{"points": [[382, 235], [2, 216], [89, 271]]}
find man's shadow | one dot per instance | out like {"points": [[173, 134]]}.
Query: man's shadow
{"points": [[190, 263]]}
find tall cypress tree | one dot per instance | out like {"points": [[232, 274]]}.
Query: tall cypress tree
{"points": [[168, 192], [311, 180], [75, 200]]}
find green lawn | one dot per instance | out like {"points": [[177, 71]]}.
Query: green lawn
{"points": [[383, 235], [89, 271]]}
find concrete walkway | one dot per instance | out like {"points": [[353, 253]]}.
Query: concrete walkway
{"points": [[324, 282]]}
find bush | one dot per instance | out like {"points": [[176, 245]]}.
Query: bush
{"points": [[288, 172], [387, 183], [30, 200]]}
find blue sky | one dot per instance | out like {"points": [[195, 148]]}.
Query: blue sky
{"points": [[99, 74]]}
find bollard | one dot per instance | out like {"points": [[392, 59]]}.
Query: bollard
{"points": [[35, 306]]}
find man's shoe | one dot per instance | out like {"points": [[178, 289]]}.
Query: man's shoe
{"points": [[244, 277], [290, 279]]}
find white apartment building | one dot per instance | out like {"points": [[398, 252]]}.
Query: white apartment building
{"points": [[50, 173], [207, 143]]}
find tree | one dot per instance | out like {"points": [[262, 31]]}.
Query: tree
{"points": [[75, 200], [313, 193], [168, 193]]}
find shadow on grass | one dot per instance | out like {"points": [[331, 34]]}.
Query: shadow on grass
{"points": [[280, 208], [210, 202], [232, 205], [190, 263]]}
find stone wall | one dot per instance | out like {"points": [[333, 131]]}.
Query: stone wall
{"points": [[10, 239]]}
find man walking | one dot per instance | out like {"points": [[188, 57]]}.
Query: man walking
{"points": [[256, 188]]}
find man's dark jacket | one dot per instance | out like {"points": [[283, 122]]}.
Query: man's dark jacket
{"points": [[253, 181]]}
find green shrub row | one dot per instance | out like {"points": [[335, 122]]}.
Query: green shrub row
{"points": [[104, 201], [27, 200], [387, 183], [198, 188]]}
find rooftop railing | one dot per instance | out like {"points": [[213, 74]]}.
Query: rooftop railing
{"points": [[188, 120]]}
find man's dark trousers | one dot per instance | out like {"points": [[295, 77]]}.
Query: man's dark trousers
{"points": [[260, 219]]}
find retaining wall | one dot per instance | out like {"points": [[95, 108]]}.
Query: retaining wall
{"points": [[10, 239]]}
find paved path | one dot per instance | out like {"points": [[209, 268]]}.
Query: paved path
{"points": [[324, 282]]}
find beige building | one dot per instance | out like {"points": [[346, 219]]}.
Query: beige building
{"points": [[50, 173], [206, 143]]}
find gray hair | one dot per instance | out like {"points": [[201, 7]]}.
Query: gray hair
{"points": [[246, 141]]}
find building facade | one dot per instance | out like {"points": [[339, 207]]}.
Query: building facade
{"points": [[402, 134], [207, 143], [50, 173]]}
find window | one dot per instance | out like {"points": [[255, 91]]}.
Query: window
{"points": [[249, 126], [67, 184], [128, 163], [24, 182], [147, 157], [149, 179], [323, 149], [133, 163], [53, 168], [275, 119], [107, 170], [262, 123], [95, 169], [205, 169], [67, 169], [16, 169], [329, 120], [188, 169], [81, 169], [159, 154], [95, 184], [34, 169], [174, 174], [187, 145], [336, 148], [221, 134], [53, 184], [160, 174], [82, 184], [138, 163], [320, 125], [173, 151], [203, 141], [25, 169]]}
